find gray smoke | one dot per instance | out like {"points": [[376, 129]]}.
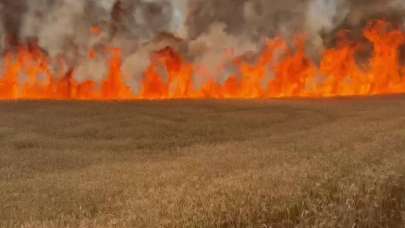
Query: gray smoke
{"points": [[202, 30], [322, 17]]}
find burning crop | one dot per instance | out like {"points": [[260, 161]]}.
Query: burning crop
{"points": [[281, 67]]}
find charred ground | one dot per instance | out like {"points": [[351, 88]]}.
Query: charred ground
{"points": [[335, 162]]}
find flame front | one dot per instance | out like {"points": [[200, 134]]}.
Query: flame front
{"points": [[279, 71]]}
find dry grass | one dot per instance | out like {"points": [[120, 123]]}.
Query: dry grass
{"points": [[321, 163]]}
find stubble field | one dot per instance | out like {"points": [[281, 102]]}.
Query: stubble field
{"points": [[270, 163]]}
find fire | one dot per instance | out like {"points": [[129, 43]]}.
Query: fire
{"points": [[178, 82], [280, 70]]}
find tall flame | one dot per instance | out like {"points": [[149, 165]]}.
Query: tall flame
{"points": [[279, 71]]}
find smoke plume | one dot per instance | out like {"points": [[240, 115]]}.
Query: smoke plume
{"points": [[206, 29]]}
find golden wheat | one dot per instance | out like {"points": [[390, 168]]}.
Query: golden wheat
{"points": [[280, 163]]}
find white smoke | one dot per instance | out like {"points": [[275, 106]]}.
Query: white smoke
{"points": [[107, 5], [214, 50], [94, 69], [134, 66], [63, 29], [322, 17], [179, 17], [56, 26]]}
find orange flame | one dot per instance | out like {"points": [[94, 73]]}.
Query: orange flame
{"points": [[279, 71]]}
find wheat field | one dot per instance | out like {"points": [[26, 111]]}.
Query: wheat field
{"points": [[264, 163]]}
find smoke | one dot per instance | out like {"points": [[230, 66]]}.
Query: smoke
{"points": [[2, 36], [270, 18], [325, 15], [322, 17], [55, 23], [206, 29], [58, 27], [398, 3], [11, 16], [214, 51], [179, 18]]}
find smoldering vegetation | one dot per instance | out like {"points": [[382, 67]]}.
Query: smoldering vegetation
{"points": [[306, 163]]}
